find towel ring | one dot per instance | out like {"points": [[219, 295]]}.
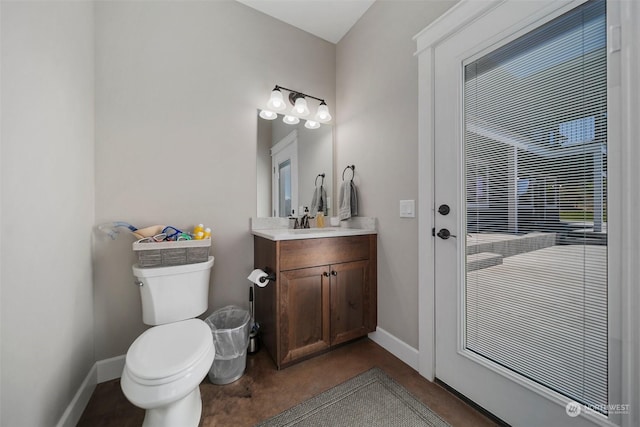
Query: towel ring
{"points": [[321, 182], [353, 171]]}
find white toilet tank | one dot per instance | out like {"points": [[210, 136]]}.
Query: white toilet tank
{"points": [[171, 294]]}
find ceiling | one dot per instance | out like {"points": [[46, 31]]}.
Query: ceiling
{"points": [[327, 19]]}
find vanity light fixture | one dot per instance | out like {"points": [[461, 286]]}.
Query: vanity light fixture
{"points": [[300, 108], [268, 115], [291, 120], [323, 113], [312, 124], [276, 101]]}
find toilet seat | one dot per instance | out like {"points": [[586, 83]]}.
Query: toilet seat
{"points": [[180, 345]]}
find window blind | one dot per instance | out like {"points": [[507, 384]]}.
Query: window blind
{"points": [[535, 179]]}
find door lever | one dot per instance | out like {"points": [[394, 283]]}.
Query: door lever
{"points": [[444, 234]]}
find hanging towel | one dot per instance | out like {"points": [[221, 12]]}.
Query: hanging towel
{"points": [[319, 201], [348, 200]]}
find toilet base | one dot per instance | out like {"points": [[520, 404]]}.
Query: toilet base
{"points": [[185, 412]]}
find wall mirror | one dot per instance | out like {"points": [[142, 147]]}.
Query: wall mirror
{"points": [[289, 162]]}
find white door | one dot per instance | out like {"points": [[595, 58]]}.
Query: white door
{"points": [[521, 277], [284, 162]]}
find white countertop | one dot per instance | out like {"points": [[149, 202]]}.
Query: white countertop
{"points": [[279, 229], [310, 233]]}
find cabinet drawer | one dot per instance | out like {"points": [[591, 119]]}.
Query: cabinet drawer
{"points": [[304, 253]]}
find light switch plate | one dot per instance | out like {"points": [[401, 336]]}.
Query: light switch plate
{"points": [[407, 208]]}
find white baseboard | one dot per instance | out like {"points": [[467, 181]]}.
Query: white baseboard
{"points": [[101, 371], [72, 414], [110, 369], [396, 346]]}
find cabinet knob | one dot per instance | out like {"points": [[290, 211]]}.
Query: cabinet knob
{"points": [[334, 273], [325, 274]]}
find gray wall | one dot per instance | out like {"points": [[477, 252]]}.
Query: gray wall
{"points": [[47, 135], [177, 87], [377, 130]]}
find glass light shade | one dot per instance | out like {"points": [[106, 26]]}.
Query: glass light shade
{"points": [[310, 124], [300, 108], [276, 101], [268, 115], [323, 113], [291, 120]]}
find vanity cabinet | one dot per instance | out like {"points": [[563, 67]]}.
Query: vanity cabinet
{"points": [[324, 294]]}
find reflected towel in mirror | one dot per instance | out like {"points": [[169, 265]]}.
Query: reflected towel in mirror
{"points": [[319, 201]]}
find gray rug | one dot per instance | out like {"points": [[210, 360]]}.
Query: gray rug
{"points": [[369, 400]]}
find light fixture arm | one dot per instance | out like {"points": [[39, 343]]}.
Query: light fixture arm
{"points": [[294, 94]]}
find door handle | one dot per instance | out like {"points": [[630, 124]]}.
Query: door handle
{"points": [[444, 234]]}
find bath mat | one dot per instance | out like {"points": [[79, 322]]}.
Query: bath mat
{"points": [[371, 399]]}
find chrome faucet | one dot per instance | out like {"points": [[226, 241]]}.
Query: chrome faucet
{"points": [[304, 221]]}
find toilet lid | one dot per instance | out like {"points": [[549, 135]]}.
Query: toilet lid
{"points": [[166, 350]]}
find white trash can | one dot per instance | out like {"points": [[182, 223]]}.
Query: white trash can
{"points": [[230, 330]]}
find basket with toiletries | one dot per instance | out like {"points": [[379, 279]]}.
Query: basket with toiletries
{"points": [[173, 247]]}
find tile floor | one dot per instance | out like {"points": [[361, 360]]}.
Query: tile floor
{"points": [[264, 391]]}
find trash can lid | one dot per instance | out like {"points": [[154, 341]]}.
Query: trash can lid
{"points": [[166, 350]]}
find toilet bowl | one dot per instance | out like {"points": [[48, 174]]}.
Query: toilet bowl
{"points": [[163, 370]]}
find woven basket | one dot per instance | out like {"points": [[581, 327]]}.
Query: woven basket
{"points": [[164, 254]]}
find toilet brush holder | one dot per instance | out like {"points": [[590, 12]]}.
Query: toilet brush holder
{"points": [[254, 342]]}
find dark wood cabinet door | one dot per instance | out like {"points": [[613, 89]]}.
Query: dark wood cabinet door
{"points": [[349, 301], [304, 310]]}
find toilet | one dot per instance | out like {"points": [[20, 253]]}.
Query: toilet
{"points": [[166, 364]]}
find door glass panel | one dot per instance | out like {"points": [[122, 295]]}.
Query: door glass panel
{"points": [[284, 188], [536, 205]]}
